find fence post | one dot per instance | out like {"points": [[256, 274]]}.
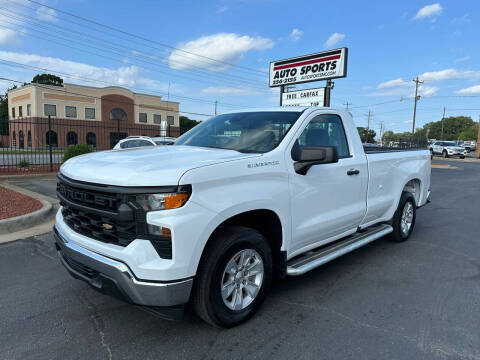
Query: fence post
{"points": [[168, 127], [50, 142]]}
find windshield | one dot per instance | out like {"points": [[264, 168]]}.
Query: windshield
{"points": [[449, 143], [256, 132]]}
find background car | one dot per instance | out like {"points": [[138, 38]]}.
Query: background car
{"points": [[134, 142], [447, 148], [164, 140]]}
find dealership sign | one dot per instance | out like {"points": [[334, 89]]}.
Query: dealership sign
{"points": [[309, 97], [320, 66]]}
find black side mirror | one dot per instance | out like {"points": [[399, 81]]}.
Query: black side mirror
{"points": [[314, 155]]}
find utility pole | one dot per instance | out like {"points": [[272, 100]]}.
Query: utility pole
{"points": [[417, 97], [346, 106], [368, 124], [443, 117], [216, 103], [381, 131]]}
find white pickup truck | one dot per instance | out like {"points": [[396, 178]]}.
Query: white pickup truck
{"points": [[236, 201]]}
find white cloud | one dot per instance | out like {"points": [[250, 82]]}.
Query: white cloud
{"points": [[429, 11], [449, 74], [11, 32], [296, 34], [228, 90], [393, 83], [334, 39], [7, 36], [472, 90], [222, 9], [47, 14], [426, 91], [127, 76], [462, 59], [224, 47]]}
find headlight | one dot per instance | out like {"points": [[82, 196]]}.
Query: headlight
{"points": [[152, 202]]}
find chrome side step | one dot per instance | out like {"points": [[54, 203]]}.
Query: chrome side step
{"points": [[314, 258]]}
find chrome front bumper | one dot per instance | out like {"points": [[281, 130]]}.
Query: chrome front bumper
{"points": [[114, 278]]}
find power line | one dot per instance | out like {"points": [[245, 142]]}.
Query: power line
{"points": [[62, 90], [219, 81], [180, 97], [144, 56], [143, 38]]}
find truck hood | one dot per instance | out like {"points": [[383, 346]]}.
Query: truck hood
{"points": [[161, 165]]}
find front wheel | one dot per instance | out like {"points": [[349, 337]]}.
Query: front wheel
{"points": [[403, 220], [445, 154], [233, 278]]}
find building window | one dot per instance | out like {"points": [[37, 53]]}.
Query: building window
{"points": [[51, 138], [21, 139], [20, 112], [170, 120], [13, 113], [29, 138], [71, 111], [92, 139], [50, 110], [142, 117], [157, 119], [29, 110], [72, 138], [90, 113]]}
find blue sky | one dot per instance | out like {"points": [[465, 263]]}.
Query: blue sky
{"points": [[389, 44]]}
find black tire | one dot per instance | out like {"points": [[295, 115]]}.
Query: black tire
{"points": [[445, 154], [207, 298], [397, 235], [431, 151], [462, 157]]}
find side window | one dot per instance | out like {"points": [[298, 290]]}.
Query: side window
{"points": [[324, 130], [144, 143], [125, 144]]}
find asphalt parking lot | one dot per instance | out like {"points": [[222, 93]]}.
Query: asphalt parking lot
{"points": [[414, 300]]}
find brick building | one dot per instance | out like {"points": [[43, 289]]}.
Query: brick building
{"points": [[98, 117]]}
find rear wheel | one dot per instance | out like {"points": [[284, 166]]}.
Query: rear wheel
{"points": [[233, 278], [403, 221]]}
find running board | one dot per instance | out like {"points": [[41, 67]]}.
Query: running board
{"points": [[314, 258]]}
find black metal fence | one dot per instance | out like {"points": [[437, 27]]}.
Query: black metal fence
{"points": [[38, 144]]}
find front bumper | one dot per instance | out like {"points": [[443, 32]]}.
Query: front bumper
{"points": [[115, 278]]}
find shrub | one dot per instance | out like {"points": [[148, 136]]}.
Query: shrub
{"points": [[75, 150], [24, 163]]}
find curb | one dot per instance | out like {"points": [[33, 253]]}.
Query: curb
{"points": [[21, 222], [28, 224], [11, 177]]}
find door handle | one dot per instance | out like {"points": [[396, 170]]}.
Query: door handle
{"points": [[353, 172]]}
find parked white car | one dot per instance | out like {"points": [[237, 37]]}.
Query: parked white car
{"points": [[447, 148], [238, 200], [142, 141], [134, 142]]}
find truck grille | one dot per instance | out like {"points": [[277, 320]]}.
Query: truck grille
{"points": [[99, 227], [110, 217]]}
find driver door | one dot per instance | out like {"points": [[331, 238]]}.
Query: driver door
{"points": [[328, 201]]}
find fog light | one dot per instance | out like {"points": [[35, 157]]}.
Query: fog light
{"points": [[159, 231]]}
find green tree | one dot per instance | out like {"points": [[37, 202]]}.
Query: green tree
{"points": [[366, 136], [452, 127], [469, 134], [186, 124], [4, 111], [47, 79]]}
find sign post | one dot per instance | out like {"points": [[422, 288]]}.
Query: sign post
{"points": [[326, 65]]}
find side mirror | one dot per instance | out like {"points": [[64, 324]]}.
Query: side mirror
{"points": [[315, 155]]}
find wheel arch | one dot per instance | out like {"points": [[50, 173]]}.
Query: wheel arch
{"points": [[267, 222]]}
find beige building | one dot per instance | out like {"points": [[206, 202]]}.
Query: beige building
{"points": [[84, 114]]}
